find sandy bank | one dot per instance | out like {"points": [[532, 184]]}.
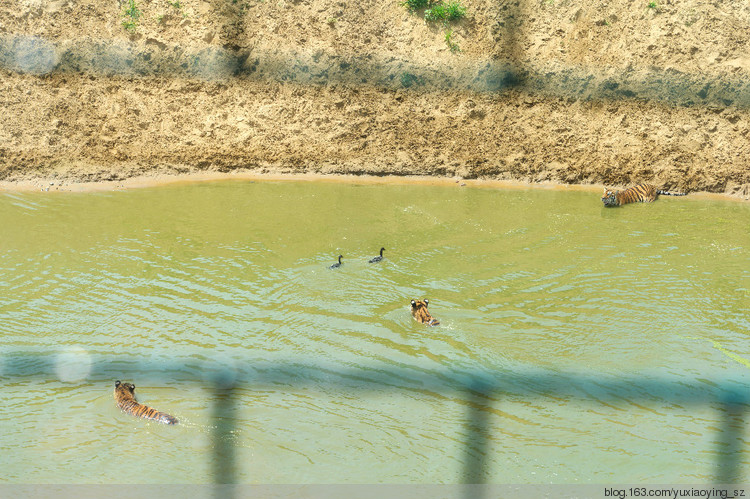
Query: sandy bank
{"points": [[152, 181], [552, 92]]}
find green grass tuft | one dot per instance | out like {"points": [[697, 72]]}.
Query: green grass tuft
{"points": [[442, 12], [130, 16], [449, 41], [452, 11], [414, 5]]}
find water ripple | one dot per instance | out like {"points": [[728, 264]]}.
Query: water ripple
{"points": [[331, 367]]}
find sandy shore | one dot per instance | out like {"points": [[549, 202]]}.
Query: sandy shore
{"points": [[159, 180]]}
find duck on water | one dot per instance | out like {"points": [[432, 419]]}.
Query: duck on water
{"points": [[378, 258], [337, 265]]}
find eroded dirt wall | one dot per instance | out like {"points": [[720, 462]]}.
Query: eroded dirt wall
{"points": [[609, 92]]}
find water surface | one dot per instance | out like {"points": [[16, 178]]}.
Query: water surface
{"points": [[577, 344]]}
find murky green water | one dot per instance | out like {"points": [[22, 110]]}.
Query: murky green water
{"points": [[577, 345]]}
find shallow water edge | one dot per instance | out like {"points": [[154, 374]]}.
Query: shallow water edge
{"points": [[52, 184]]}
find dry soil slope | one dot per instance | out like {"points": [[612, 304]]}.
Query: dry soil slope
{"points": [[609, 92]]}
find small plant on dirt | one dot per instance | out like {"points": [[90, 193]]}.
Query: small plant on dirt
{"points": [[455, 11], [332, 21], [130, 16], [177, 5], [655, 7], [449, 41], [446, 13], [436, 13], [414, 5], [442, 12]]}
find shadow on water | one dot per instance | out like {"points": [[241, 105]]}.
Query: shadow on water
{"points": [[225, 468], [731, 433], [479, 395], [480, 392]]}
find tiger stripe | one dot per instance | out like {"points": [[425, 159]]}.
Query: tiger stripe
{"points": [[125, 400], [641, 193]]}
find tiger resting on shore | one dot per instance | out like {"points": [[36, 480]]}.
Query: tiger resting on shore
{"points": [[125, 399], [641, 193], [420, 313]]}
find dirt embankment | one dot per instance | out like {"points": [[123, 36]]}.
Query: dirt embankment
{"points": [[609, 92]]}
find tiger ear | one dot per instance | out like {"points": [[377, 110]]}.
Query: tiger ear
{"points": [[117, 383], [413, 303], [426, 301]]}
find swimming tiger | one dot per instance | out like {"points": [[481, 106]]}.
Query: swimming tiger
{"points": [[420, 313], [125, 399], [641, 193]]}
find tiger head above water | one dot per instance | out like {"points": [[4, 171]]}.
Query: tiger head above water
{"points": [[125, 399], [421, 314]]}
